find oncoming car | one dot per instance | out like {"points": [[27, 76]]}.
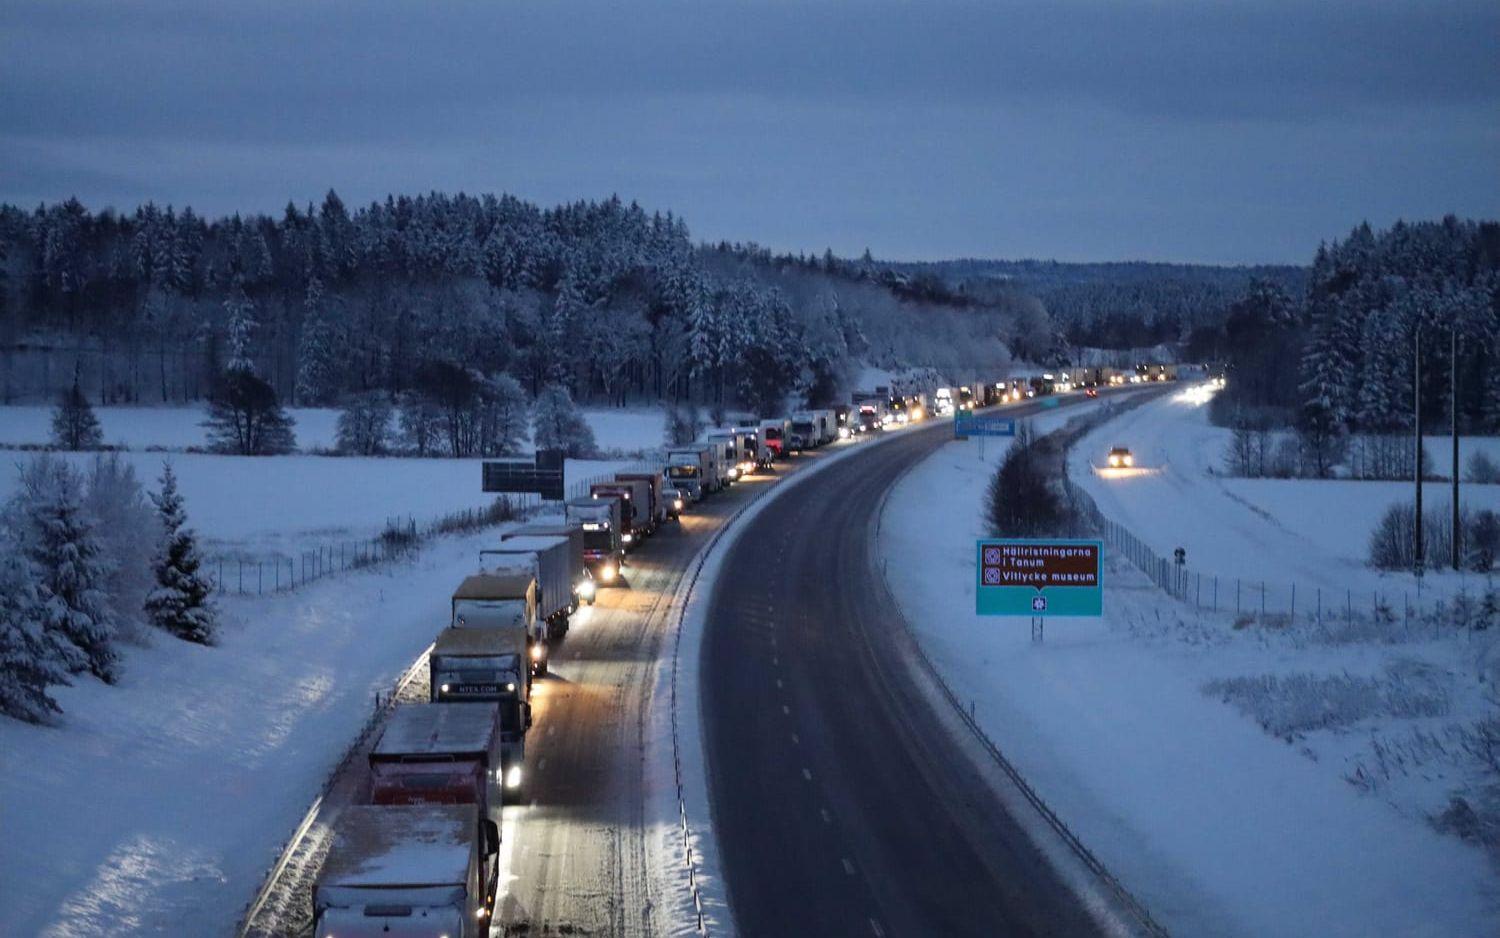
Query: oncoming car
{"points": [[1121, 457]]}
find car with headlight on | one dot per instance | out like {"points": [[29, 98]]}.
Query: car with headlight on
{"points": [[675, 501], [1091, 392], [1121, 458]]}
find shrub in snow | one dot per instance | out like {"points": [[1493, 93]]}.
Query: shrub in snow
{"points": [[1482, 469], [1482, 543], [180, 602], [557, 423], [29, 659], [127, 529], [682, 423], [245, 417], [364, 425], [74, 426], [56, 533]]}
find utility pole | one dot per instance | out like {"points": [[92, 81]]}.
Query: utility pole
{"points": [[1453, 428], [1416, 371]]}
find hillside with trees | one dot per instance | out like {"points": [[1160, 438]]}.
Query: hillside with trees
{"points": [[610, 302]]}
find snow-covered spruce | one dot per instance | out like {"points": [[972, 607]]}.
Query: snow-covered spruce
{"points": [[30, 661], [74, 426], [57, 535], [180, 602]]}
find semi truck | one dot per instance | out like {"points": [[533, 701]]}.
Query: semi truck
{"points": [[483, 653], [773, 435], [578, 572], [828, 426], [692, 468], [726, 451], [635, 507], [649, 495], [804, 433], [755, 445], [408, 871], [603, 551], [454, 753], [550, 563]]}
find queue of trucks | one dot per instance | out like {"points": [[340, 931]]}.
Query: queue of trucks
{"points": [[420, 855]]}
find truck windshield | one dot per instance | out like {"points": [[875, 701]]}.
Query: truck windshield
{"points": [[802, 428], [773, 433], [597, 539], [490, 614], [682, 472]]}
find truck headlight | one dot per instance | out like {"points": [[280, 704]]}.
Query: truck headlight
{"points": [[513, 777], [443, 688], [627, 537], [1129, 460], [677, 503], [586, 589], [607, 573], [536, 652]]}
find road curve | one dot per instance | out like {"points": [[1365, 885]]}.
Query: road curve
{"points": [[841, 805]]}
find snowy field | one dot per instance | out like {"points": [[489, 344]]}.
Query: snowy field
{"points": [[1144, 729], [264, 505], [157, 805], [178, 428], [1313, 532]]}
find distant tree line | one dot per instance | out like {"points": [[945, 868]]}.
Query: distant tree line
{"points": [[602, 298]]}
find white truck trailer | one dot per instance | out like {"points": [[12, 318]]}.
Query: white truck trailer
{"points": [[483, 653], [548, 560], [582, 579], [414, 871]]}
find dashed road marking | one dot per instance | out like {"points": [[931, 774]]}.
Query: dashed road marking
{"points": [[875, 927], [786, 710], [541, 763], [775, 661], [807, 775], [827, 818], [796, 740], [779, 685], [848, 867]]}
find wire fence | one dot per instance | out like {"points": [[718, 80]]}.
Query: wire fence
{"points": [[1286, 603], [238, 575], [242, 575]]}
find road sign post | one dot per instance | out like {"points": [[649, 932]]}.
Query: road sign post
{"points": [[1039, 579]]}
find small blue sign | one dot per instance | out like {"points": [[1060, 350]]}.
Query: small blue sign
{"points": [[966, 424]]}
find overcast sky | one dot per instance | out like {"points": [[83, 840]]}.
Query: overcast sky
{"points": [[1087, 130]]}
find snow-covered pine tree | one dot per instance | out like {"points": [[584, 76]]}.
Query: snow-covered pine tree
{"points": [[316, 352], [557, 423], [56, 533], [29, 661], [74, 426], [241, 328], [180, 602], [1490, 405], [504, 415], [127, 530]]}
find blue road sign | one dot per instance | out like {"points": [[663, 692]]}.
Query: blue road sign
{"points": [[966, 423]]}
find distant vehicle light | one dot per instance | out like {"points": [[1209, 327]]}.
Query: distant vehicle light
{"points": [[627, 537], [607, 573], [586, 589], [677, 503], [536, 652], [513, 777]]}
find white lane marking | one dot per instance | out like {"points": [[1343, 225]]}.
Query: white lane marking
{"points": [[875, 927], [779, 685], [827, 818], [807, 775], [541, 763], [776, 661], [796, 741], [848, 867], [551, 730], [786, 710]]}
